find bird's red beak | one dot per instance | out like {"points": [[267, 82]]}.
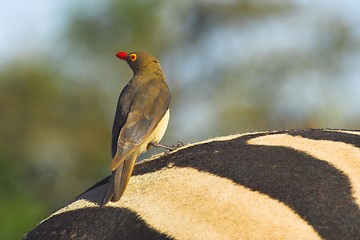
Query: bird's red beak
{"points": [[121, 55]]}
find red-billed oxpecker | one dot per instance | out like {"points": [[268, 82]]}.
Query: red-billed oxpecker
{"points": [[141, 118]]}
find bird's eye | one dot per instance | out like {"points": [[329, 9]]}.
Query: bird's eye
{"points": [[132, 57]]}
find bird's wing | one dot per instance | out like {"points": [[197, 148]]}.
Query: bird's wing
{"points": [[146, 111], [122, 110]]}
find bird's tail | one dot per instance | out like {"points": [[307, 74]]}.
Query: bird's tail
{"points": [[109, 190], [119, 179]]}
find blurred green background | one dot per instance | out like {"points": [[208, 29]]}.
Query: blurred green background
{"points": [[232, 67]]}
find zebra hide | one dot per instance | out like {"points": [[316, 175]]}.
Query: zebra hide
{"points": [[296, 184]]}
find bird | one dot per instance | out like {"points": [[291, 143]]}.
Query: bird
{"points": [[141, 118]]}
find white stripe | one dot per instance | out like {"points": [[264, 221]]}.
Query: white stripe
{"points": [[188, 204], [78, 204]]}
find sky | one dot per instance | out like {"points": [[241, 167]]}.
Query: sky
{"points": [[29, 24], [35, 24]]}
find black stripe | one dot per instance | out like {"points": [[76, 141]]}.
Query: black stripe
{"points": [[316, 190], [318, 134], [95, 223]]}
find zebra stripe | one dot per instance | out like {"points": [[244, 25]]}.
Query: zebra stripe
{"points": [[297, 184]]}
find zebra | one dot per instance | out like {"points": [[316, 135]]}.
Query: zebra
{"points": [[289, 184]]}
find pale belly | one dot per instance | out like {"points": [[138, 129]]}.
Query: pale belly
{"points": [[158, 133]]}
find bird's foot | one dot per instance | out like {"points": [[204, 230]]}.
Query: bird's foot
{"points": [[168, 148], [178, 145]]}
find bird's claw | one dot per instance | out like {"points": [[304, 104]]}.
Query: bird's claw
{"points": [[178, 145], [169, 149]]}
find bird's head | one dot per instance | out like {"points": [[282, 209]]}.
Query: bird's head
{"points": [[139, 61]]}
